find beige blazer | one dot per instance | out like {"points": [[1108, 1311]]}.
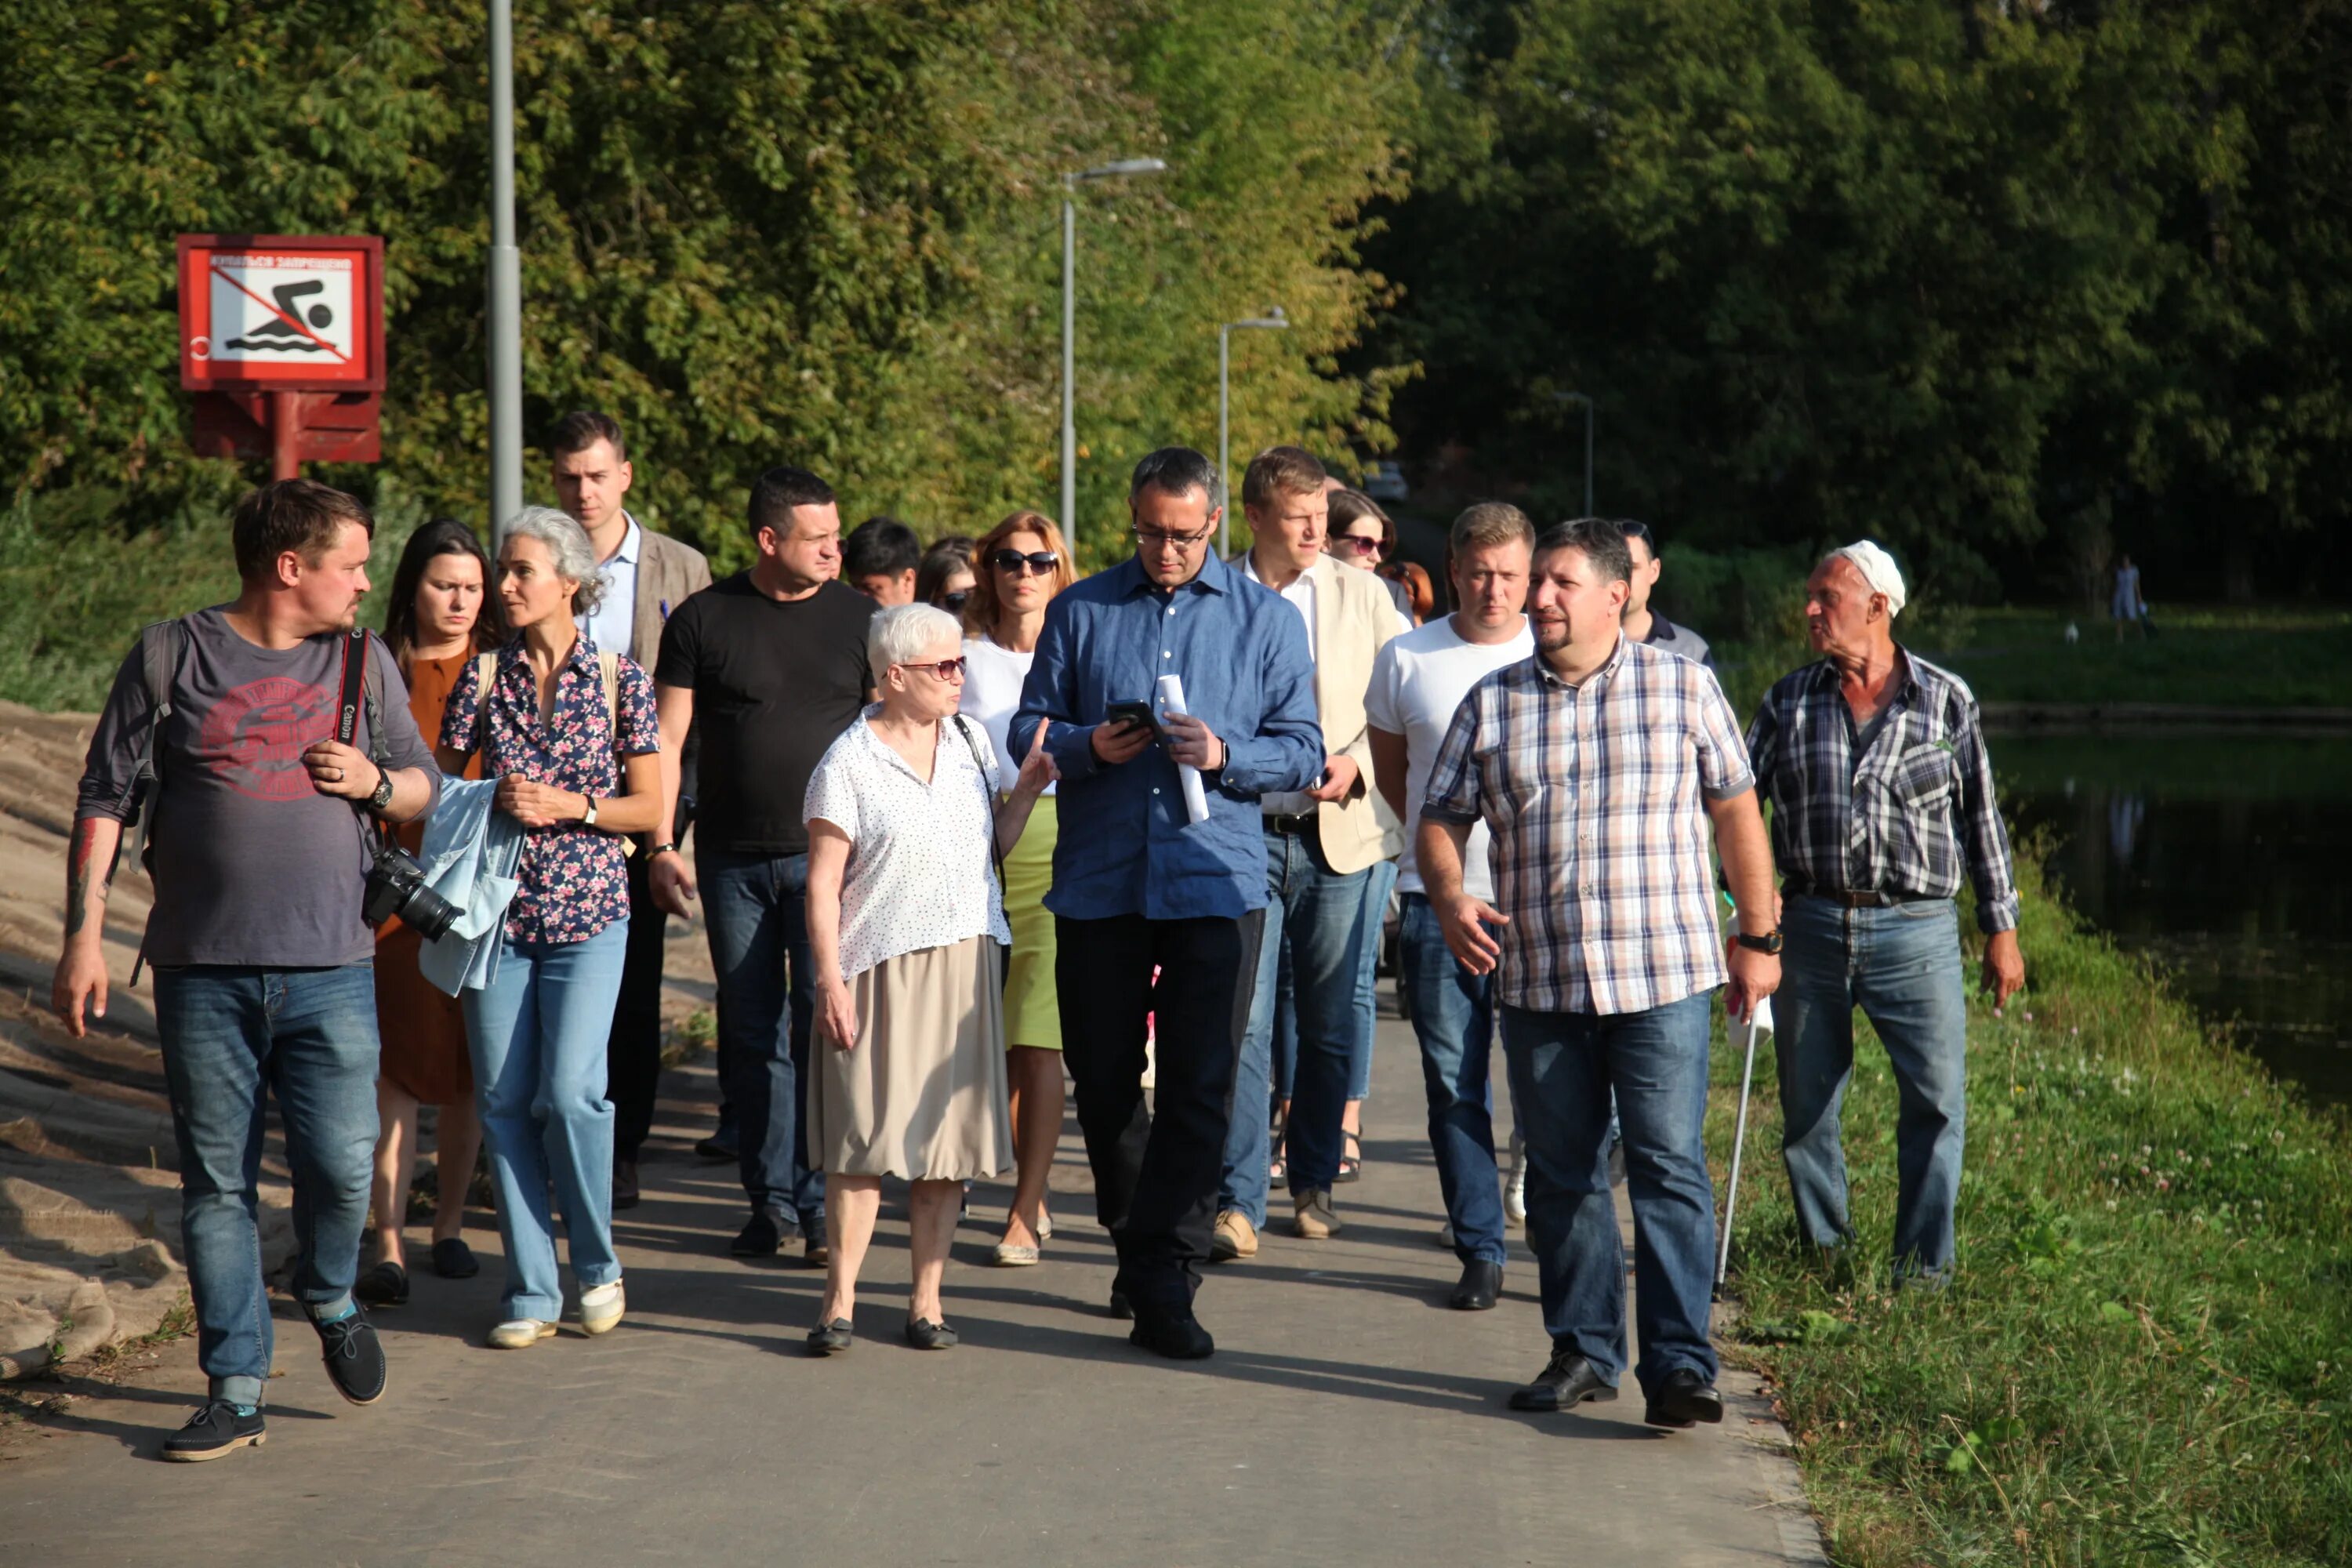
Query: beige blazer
{"points": [[668, 571], [1354, 617]]}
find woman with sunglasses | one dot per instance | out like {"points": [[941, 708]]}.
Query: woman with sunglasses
{"points": [[945, 577], [1362, 535], [903, 817], [1023, 564]]}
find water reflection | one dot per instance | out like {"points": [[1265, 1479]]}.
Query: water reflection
{"points": [[2224, 858]]}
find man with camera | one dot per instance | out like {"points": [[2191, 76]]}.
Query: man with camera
{"points": [[261, 741]]}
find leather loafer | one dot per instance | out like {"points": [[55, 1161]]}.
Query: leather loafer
{"points": [[1684, 1399], [930, 1336], [1482, 1282], [1565, 1382], [1177, 1335], [1121, 1308], [832, 1337]]}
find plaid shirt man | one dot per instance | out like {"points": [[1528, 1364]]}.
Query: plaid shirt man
{"points": [[1599, 850], [1898, 813]]}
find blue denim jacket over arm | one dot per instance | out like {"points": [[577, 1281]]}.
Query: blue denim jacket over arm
{"points": [[1126, 846]]}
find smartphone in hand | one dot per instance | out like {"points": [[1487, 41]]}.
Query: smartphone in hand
{"points": [[1135, 715]]}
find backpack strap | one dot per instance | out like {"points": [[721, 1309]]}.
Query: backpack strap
{"points": [[161, 646], [486, 668]]}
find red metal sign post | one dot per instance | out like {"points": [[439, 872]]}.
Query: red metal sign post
{"points": [[281, 340]]}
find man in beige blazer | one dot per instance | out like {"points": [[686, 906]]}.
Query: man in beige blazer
{"points": [[1320, 847], [646, 576]]}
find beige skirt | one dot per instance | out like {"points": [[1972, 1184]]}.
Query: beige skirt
{"points": [[922, 1096]]}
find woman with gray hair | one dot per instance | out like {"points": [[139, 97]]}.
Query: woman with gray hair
{"points": [[568, 732], [904, 820]]}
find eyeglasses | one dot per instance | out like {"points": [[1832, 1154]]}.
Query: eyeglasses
{"points": [[945, 669], [1360, 543], [1041, 564], [1152, 538], [955, 601]]}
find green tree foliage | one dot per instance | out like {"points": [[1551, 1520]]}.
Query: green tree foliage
{"points": [[821, 232]]}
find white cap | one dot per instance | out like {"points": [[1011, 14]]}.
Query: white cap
{"points": [[1878, 570]]}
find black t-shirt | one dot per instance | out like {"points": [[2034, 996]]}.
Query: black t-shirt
{"points": [[774, 682]]}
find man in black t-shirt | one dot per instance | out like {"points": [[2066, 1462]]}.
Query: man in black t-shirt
{"points": [[769, 666]]}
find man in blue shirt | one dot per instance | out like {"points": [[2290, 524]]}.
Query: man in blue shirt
{"points": [[1138, 886]]}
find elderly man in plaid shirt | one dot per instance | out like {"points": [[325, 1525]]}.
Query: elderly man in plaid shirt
{"points": [[1599, 764], [1882, 794]]}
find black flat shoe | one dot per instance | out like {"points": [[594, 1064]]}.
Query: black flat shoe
{"points": [[213, 1431], [354, 1357], [1565, 1382], [1684, 1399], [453, 1259], [626, 1194], [1482, 1282], [1119, 1307], [385, 1285], [1177, 1335], [830, 1339], [927, 1336], [762, 1235]]}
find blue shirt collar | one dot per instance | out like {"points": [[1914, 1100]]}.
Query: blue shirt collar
{"points": [[1214, 577]]}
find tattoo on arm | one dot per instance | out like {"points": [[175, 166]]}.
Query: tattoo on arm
{"points": [[81, 869]]}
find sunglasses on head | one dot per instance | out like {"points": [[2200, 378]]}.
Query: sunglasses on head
{"points": [[1358, 544], [1039, 565]]}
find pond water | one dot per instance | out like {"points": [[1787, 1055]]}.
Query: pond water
{"points": [[2224, 856]]}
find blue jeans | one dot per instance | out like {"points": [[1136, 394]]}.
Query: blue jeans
{"points": [[1322, 913], [1903, 965], [1563, 1067], [1379, 883], [232, 1036], [538, 1033], [756, 909], [1453, 1019]]}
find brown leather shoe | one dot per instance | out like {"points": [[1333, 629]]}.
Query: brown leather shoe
{"points": [[1314, 1220], [1234, 1237]]}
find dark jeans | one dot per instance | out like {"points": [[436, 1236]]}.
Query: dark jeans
{"points": [[233, 1035], [1563, 1067], [1156, 1166], [1453, 1019], [756, 908], [633, 1053]]}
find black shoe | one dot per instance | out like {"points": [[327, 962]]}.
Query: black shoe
{"points": [[385, 1285], [762, 1235], [215, 1430], [1178, 1335], [354, 1357], [1120, 1307], [925, 1336], [1565, 1382], [1684, 1399], [830, 1339], [624, 1185], [1482, 1282], [453, 1259], [719, 1146]]}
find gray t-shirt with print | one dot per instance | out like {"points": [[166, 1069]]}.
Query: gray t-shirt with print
{"points": [[251, 865]]}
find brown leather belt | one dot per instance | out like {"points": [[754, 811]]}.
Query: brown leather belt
{"points": [[1290, 824], [1848, 897]]}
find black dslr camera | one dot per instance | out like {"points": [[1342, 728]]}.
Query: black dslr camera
{"points": [[395, 886]]}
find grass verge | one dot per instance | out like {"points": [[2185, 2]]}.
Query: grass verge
{"points": [[2220, 656], [2146, 1358]]}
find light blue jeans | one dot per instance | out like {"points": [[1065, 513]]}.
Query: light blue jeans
{"points": [[1902, 965], [1379, 883], [233, 1035], [538, 1033]]}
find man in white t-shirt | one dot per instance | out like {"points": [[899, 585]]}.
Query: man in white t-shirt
{"points": [[1418, 681]]}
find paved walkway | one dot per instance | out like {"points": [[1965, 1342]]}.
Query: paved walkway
{"points": [[1348, 1417]]}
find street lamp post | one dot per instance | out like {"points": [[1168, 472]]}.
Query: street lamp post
{"points": [[504, 284], [1273, 321], [1070, 182], [1581, 397]]}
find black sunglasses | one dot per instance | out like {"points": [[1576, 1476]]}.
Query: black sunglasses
{"points": [[1039, 565], [956, 600]]}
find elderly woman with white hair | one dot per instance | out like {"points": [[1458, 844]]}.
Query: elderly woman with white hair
{"points": [[568, 733], [906, 917]]}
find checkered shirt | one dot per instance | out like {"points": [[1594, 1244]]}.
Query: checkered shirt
{"points": [[1904, 817], [1593, 796]]}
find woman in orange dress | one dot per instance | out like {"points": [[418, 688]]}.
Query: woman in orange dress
{"points": [[439, 616]]}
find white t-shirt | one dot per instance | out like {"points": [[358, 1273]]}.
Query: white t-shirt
{"points": [[921, 871], [1418, 680], [992, 678]]}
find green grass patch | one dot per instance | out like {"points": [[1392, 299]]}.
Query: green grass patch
{"points": [[2146, 1358], [2205, 656]]}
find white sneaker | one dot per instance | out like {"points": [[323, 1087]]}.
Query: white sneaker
{"points": [[1514, 1193], [601, 1308], [520, 1333]]}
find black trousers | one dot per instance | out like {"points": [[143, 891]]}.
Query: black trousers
{"points": [[1156, 1175], [633, 1051]]}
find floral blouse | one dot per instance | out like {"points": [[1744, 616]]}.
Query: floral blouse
{"points": [[573, 880]]}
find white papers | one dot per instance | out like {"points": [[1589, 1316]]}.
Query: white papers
{"points": [[1196, 799]]}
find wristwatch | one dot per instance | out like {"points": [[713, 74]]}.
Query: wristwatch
{"points": [[381, 797], [1769, 943], [588, 817]]}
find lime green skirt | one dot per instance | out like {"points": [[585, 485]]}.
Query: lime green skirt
{"points": [[1033, 1013]]}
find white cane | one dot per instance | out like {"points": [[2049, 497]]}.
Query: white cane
{"points": [[1738, 1145]]}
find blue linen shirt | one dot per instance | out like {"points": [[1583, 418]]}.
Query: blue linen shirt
{"points": [[1126, 846]]}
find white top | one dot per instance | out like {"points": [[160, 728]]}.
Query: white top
{"points": [[614, 619], [992, 678], [920, 869], [1300, 596], [1418, 680]]}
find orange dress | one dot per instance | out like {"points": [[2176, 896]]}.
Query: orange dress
{"points": [[423, 1031]]}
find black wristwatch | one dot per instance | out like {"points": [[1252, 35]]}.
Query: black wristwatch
{"points": [[381, 800], [1769, 943]]}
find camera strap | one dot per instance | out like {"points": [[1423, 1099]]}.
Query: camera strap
{"points": [[348, 707]]}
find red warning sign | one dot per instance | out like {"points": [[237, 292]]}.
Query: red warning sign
{"points": [[286, 312]]}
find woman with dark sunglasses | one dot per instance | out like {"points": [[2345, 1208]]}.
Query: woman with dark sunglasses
{"points": [[1363, 536], [1021, 565], [945, 576]]}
